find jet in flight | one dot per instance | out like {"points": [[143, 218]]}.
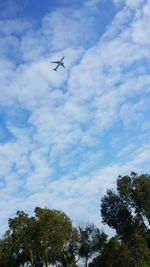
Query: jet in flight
{"points": [[59, 63]]}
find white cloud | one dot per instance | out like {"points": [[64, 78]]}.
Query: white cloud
{"points": [[64, 28], [41, 171], [141, 32], [14, 26], [8, 43], [130, 3], [58, 159], [134, 113], [134, 3]]}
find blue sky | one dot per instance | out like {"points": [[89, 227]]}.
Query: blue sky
{"points": [[66, 136]]}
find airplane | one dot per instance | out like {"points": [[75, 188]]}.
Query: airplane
{"points": [[59, 63]]}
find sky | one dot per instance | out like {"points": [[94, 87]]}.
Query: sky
{"points": [[65, 136]]}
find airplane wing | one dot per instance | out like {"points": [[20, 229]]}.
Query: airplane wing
{"points": [[57, 62], [56, 68], [62, 59]]}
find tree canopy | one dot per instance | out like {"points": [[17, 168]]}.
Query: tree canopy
{"points": [[127, 211], [49, 238]]}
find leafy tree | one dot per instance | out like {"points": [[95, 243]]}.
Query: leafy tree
{"points": [[117, 214], [126, 210], [7, 256], [24, 235], [48, 238], [91, 241], [69, 255], [114, 254], [135, 190], [56, 234]]}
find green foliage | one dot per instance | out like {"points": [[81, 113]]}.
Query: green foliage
{"points": [[126, 211], [23, 232], [135, 190], [69, 255], [47, 238], [117, 214], [56, 234], [91, 241], [114, 254], [146, 264]]}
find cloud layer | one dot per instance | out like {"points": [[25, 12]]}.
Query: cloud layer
{"points": [[66, 136]]}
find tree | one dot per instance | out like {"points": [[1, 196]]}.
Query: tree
{"points": [[69, 255], [56, 234], [91, 241], [135, 190], [117, 215], [125, 210], [114, 254], [48, 238], [24, 235], [7, 255]]}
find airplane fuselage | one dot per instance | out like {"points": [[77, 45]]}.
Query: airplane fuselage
{"points": [[59, 63]]}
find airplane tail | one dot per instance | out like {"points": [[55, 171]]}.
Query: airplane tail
{"points": [[54, 69]]}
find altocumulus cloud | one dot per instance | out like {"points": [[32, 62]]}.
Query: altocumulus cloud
{"points": [[66, 136]]}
